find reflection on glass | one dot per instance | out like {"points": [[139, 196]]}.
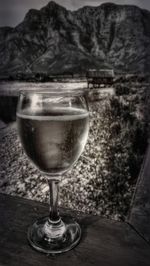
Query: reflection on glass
{"points": [[53, 128]]}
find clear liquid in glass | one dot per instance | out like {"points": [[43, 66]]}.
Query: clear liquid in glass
{"points": [[53, 139]]}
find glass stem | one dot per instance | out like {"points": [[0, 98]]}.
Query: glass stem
{"points": [[54, 192]]}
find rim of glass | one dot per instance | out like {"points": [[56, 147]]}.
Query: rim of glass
{"points": [[58, 92]]}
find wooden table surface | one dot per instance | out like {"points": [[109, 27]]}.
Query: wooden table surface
{"points": [[104, 242]]}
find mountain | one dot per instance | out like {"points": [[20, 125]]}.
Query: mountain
{"points": [[54, 40]]}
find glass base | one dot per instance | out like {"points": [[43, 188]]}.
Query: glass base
{"points": [[48, 237]]}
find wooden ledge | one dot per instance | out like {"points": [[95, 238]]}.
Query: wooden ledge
{"points": [[139, 216], [104, 242]]}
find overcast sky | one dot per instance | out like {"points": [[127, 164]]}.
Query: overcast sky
{"points": [[12, 12]]}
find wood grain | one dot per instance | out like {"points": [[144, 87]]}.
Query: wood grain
{"points": [[104, 242], [139, 216]]}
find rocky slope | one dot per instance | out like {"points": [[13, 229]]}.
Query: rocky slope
{"points": [[56, 40]]}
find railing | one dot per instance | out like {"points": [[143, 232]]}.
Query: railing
{"points": [[104, 242]]}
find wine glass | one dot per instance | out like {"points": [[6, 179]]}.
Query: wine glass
{"points": [[53, 128]]}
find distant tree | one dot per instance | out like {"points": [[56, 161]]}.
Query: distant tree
{"points": [[122, 89]]}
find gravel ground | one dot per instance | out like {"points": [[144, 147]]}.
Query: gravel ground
{"points": [[93, 185]]}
